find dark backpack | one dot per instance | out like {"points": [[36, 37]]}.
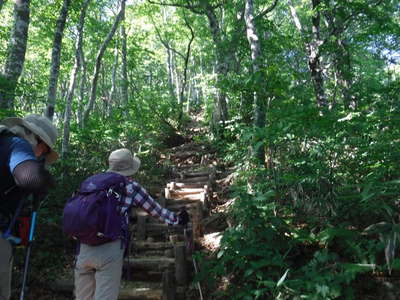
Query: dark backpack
{"points": [[92, 215]]}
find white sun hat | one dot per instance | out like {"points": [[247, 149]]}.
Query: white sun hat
{"points": [[122, 161], [42, 127]]}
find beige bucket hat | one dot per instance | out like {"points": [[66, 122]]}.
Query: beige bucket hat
{"points": [[122, 161], [40, 126]]}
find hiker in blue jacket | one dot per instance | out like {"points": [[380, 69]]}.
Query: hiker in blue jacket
{"points": [[26, 145], [98, 268]]}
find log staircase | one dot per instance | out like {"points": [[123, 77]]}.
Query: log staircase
{"points": [[160, 265], [162, 254]]}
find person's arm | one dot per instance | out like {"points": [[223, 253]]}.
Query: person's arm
{"points": [[32, 176], [138, 196], [29, 174]]}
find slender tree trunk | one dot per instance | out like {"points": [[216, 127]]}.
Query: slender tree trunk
{"points": [[312, 46], [16, 54], [169, 62], [99, 57], [177, 78], [73, 79], [259, 93], [189, 96], [112, 99], [341, 56], [170, 73], [343, 66], [82, 87], [55, 59], [124, 87], [185, 68], [314, 56], [221, 108]]}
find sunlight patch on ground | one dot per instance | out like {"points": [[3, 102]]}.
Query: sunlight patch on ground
{"points": [[212, 241]]}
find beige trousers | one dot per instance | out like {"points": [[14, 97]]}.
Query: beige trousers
{"points": [[98, 271], [5, 268]]}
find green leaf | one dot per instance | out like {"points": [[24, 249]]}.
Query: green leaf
{"points": [[280, 282]]}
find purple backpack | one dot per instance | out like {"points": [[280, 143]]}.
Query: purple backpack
{"points": [[92, 216]]}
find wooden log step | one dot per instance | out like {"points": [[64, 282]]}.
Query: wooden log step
{"points": [[151, 263], [140, 294], [140, 290], [188, 191], [142, 275], [152, 252], [141, 245], [183, 185], [186, 154], [162, 228], [194, 197], [201, 180], [177, 207], [196, 174], [180, 202], [189, 166]]}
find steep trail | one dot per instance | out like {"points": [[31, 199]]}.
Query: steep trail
{"points": [[160, 264]]}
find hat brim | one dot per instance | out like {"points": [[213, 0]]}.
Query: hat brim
{"points": [[128, 172], [13, 121]]}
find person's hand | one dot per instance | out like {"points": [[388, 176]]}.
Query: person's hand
{"points": [[183, 217]]}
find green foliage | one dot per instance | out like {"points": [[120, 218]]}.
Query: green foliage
{"points": [[301, 222], [323, 212]]}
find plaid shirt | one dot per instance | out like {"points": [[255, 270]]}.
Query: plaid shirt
{"points": [[137, 196]]}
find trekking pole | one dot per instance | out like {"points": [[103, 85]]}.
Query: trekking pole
{"points": [[28, 252], [190, 247], [8, 235], [197, 283]]}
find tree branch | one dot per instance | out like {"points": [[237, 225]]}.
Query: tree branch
{"points": [[191, 7], [194, 7], [166, 44], [187, 57], [268, 10]]}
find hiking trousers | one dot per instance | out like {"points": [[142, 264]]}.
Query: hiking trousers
{"points": [[6, 257], [98, 271]]}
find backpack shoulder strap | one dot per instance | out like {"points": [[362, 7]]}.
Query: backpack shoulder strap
{"points": [[102, 181]]}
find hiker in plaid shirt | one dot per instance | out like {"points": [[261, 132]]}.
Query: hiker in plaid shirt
{"points": [[137, 196], [98, 269]]}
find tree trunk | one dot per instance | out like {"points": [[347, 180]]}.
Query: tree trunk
{"points": [[185, 69], [82, 87], [170, 73], [124, 87], [72, 83], [16, 54], [314, 61], [175, 76], [343, 67], [220, 105], [169, 62], [313, 51], [112, 99], [341, 54], [99, 57], [259, 92], [55, 59]]}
